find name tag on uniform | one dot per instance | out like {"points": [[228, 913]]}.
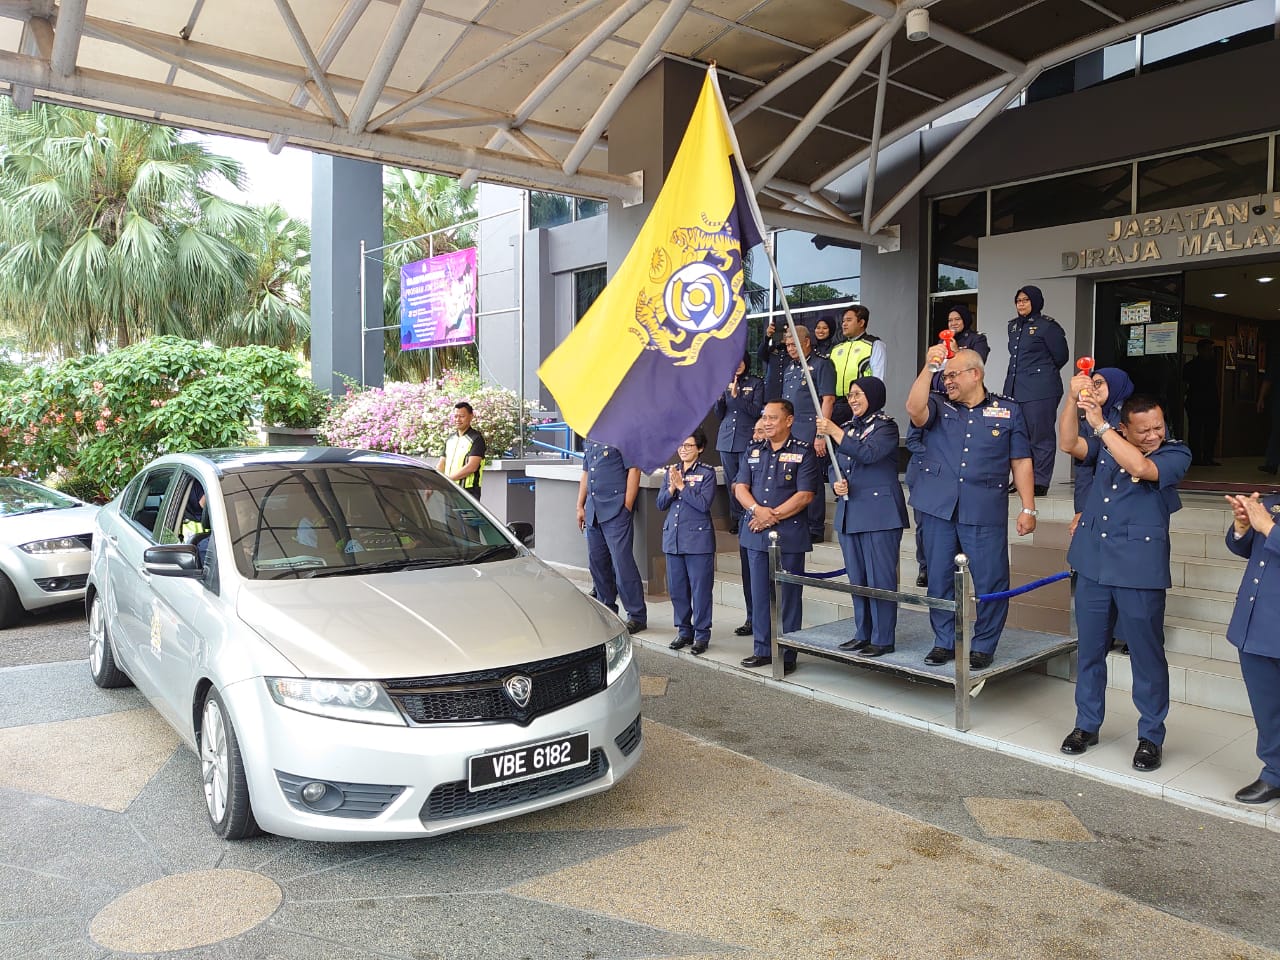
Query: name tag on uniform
{"points": [[791, 457], [747, 389], [1000, 412]]}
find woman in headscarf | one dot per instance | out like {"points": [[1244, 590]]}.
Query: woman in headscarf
{"points": [[960, 322], [824, 337], [870, 511], [1111, 387]]}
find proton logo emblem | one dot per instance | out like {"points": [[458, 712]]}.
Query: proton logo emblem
{"points": [[519, 688]]}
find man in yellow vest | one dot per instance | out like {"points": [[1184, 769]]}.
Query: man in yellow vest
{"points": [[463, 460], [859, 355]]}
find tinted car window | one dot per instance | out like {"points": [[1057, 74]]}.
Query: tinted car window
{"points": [[145, 511], [310, 520]]}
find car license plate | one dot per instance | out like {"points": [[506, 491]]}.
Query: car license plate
{"points": [[491, 770]]}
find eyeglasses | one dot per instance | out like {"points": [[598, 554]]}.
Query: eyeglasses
{"points": [[952, 375], [1021, 299], [687, 446]]}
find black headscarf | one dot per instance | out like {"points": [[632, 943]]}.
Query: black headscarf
{"points": [[1036, 298], [965, 316], [873, 389]]}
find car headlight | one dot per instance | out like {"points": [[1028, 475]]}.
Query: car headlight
{"points": [[56, 545], [618, 654], [361, 700]]}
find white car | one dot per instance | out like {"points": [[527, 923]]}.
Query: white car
{"points": [[45, 539], [355, 648]]}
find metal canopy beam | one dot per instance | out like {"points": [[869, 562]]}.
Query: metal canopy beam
{"points": [[951, 38], [397, 36], [67, 33], [635, 69], [1143, 24], [104, 89], [827, 101], [510, 47], [314, 67]]}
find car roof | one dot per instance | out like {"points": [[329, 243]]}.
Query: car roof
{"points": [[232, 459]]}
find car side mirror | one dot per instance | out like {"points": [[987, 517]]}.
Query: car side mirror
{"points": [[173, 560], [523, 531]]}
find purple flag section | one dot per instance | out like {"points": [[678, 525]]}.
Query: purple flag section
{"points": [[438, 301], [659, 403]]}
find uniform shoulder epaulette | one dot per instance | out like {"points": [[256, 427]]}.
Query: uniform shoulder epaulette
{"points": [[1002, 397], [803, 443], [1174, 440], [879, 415]]}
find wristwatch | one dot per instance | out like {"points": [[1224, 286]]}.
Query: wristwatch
{"points": [[1031, 513], [1101, 428]]}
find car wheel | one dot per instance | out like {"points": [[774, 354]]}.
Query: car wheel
{"points": [[102, 659], [10, 606], [226, 791]]}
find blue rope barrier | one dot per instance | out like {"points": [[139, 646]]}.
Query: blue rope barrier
{"points": [[1025, 588], [819, 576]]}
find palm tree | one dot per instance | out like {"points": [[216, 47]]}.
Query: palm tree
{"points": [[417, 204], [277, 312], [109, 231]]}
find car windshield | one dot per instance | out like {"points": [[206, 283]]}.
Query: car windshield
{"points": [[315, 519], [21, 496]]}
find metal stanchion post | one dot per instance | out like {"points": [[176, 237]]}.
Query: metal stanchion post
{"points": [[963, 634], [775, 601]]}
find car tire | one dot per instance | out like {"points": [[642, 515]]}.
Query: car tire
{"points": [[226, 789], [102, 659], [11, 608]]}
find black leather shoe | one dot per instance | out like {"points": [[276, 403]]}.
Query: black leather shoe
{"points": [[1266, 469], [1147, 757], [1078, 741], [754, 661], [1040, 491], [875, 651], [855, 644], [1258, 792], [635, 626], [922, 578], [679, 643], [699, 648], [744, 630], [788, 667], [980, 661], [939, 655]]}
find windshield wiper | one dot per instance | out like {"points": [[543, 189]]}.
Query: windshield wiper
{"points": [[385, 566], [492, 552], [40, 509]]}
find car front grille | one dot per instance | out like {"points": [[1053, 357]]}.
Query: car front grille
{"points": [[480, 697], [61, 584], [629, 738], [450, 800]]}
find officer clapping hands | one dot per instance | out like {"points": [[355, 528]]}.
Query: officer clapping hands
{"points": [[675, 479], [1249, 512]]}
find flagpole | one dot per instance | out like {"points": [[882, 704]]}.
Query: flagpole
{"points": [[773, 265]]}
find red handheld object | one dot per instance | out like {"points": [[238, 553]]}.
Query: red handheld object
{"points": [[1085, 366], [948, 339]]}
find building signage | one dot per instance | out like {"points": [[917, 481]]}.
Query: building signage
{"points": [[438, 301], [1191, 233]]}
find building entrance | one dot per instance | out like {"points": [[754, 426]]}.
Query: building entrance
{"points": [[1202, 341]]}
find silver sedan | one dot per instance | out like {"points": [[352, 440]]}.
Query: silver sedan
{"points": [[355, 648], [45, 538]]}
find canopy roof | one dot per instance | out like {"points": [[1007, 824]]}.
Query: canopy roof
{"points": [[522, 91]]}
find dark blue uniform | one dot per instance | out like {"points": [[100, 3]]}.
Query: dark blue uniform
{"points": [[773, 355], [774, 476], [915, 446], [738, 416], [613, 567], [1120, 553], [689, 542], [1037, 352], [869, 522], [960, 489], [795, 389], [1254, 632]]}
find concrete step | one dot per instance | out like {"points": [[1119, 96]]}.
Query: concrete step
{"points": [[1202, 682]]}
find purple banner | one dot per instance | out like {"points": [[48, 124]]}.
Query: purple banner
{"points": [[438, 301]]}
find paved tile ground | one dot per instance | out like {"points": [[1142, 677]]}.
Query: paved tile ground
{"points": [[760, 824]]}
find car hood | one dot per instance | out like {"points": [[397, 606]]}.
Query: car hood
{"points": [[47, 524], [424, 622]]}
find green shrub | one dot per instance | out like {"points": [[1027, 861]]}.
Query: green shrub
{"points": [[99, 419]]}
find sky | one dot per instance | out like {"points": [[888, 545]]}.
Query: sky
{"points": [[283, 178]]}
